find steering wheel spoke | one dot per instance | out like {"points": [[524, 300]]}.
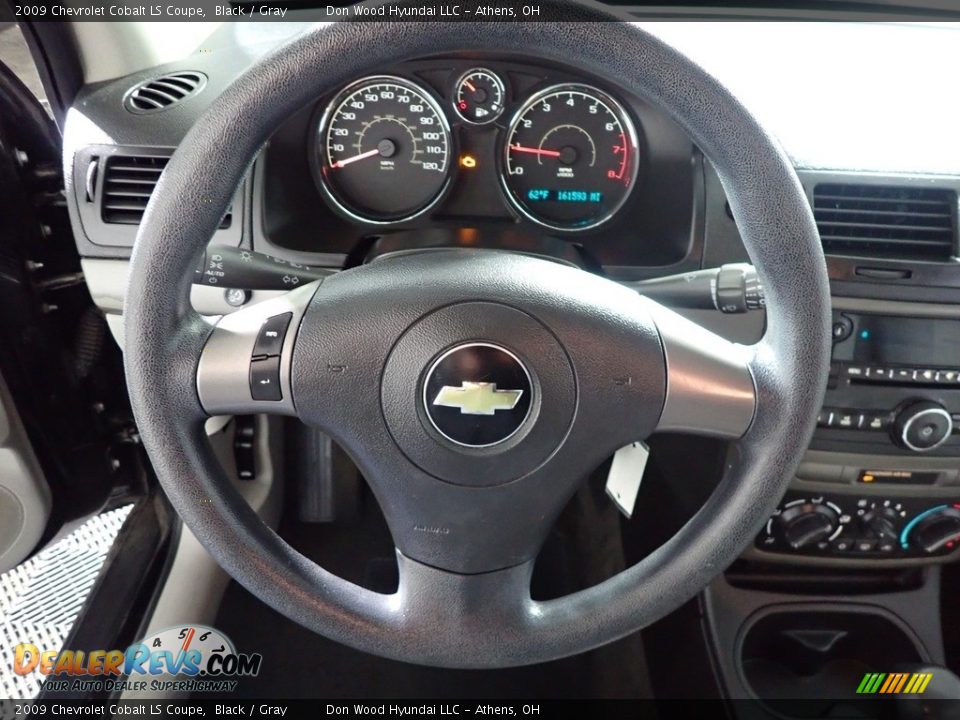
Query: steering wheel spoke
{"points": [[494, 605], [710, 388], [244, 367]]}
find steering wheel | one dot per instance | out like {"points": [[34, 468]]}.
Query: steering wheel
{"points": [[475, 389]]}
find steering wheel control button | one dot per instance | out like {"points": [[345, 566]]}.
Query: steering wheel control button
{"points": [[477, 395], [270, 338], [265, 379]]}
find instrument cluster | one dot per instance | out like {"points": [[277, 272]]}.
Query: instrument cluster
{"points": [[389, 148]]}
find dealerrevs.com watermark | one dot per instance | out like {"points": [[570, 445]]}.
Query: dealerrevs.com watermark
{"points": [[188, 659]]}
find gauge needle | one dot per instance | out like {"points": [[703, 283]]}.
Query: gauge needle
{"points": [[469, 85], [361, 156], [535, 151]]}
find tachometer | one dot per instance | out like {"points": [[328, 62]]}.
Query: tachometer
{"points": [[570, 158], [384, 150]]}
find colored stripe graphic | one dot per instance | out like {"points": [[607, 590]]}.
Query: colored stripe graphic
{"points": [[886, 686], [894, 683], [900, 684]]}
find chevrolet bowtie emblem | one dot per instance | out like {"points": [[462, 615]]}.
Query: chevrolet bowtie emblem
{"points": [[477, 398]]}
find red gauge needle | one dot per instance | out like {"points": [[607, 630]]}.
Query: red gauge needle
{"points": [[535, 151], [361, 156]]}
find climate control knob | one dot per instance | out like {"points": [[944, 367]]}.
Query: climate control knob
{"points": [[807, 524], [922, 426], [881, 523], [933, 530]]}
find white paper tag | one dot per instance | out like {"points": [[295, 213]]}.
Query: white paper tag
{"points": [[626, 472]]}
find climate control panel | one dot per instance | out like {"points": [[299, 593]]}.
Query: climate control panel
{"points": [[853, 527]]}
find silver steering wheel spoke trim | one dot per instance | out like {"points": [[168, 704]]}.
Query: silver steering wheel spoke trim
{"points": [[224, 371], [710, 388]]}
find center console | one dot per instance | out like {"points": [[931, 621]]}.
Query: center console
{"points": [[882, 479], [846, 576], [844, 579]]}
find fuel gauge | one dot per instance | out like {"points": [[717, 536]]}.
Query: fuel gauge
{"points": [[479, 96]]}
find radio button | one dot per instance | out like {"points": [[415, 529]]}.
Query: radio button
{"points": [[854, 371], [842, 328], [873, 421], [879, 373], [947, 376], [846, 420], [926, 375], [922, 426]]}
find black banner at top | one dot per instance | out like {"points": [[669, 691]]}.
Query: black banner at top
{"points": [[466, 10], [285, 10]]}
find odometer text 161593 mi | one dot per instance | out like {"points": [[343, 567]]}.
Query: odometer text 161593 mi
{"points": [[384, 148], [570, 157]]}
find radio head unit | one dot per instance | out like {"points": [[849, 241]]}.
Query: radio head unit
{"points": [[894, 386]]}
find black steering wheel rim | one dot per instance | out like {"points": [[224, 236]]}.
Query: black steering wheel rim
{"points": [[474, 620]]}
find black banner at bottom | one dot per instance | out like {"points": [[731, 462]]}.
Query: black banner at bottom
{"points": [[867, 707]]}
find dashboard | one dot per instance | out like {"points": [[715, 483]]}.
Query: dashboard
{"points": [[533, 155], [485, 143], [537, 156]]}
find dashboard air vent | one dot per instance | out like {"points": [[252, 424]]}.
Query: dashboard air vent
{"points": [[128, 183], [163, 92], [917, 223]]}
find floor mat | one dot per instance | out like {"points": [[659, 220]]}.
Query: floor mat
{"points": [[298, 663], [41, 598]]}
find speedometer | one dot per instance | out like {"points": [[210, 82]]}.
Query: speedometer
{"points": [[384, 148], [570, 159]]}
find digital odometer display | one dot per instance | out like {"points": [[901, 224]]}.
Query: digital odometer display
{"points": [[384, 150], [570, 159]]}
